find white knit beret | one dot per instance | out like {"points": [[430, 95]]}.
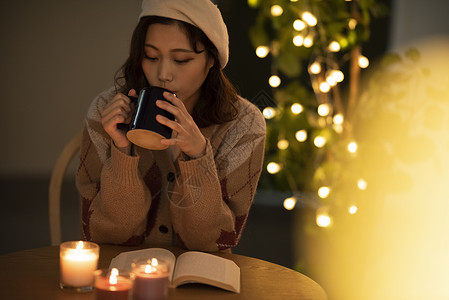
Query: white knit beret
{"points": [[201, 13]]}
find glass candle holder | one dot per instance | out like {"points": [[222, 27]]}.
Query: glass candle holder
{"points": [[78, 262], [150, 279], [113, 284]]}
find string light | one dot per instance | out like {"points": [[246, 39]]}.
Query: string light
{"points": [[315, 68], [269, 112], [362, 184], [353, 209], [323, 220], [352, 23], [276, 10], [298, 40], [337, 75], [334, 46], [338, 119], [301, 135], [299, 25], [308, 42], [325, 87], [283, 144], [319, 141], [309, 18], [323, 192], [274, 81], [323, 109], [290, 203], [363, 62], [331, 80], [273, 168], [262, 51], [352, 147], [296, 108]]}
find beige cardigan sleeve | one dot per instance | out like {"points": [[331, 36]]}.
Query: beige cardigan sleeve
{"points": [[213, 194], [106, 190]]}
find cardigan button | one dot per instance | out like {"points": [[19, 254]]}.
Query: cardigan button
{"points": [[171, 176], [163, 229]]}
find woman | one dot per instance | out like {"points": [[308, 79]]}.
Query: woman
{"points": [[197, 193]]}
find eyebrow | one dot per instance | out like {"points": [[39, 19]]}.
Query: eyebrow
{"points": [[173, 50]]}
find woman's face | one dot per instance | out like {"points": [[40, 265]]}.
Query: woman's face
{"points": [[171, 62]]}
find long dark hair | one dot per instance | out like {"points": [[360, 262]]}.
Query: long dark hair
{"points": [[218, 98]]}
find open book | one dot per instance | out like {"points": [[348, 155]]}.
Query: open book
{"points": [[189, 267]]}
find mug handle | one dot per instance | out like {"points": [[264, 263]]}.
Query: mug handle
{"points": [[124, 126]]}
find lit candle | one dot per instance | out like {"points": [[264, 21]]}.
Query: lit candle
{"points": [[112, 285], [151, 279], [78, 262]]}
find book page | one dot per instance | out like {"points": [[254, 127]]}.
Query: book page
{"points": [[123, 260], [207, 268]]}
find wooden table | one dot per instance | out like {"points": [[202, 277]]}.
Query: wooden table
{"points": [[34, 274]]}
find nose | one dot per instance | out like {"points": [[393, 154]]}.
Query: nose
{"points": [[165, 74]]}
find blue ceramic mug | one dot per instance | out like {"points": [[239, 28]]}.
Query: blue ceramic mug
{"points": [[144, 130]]}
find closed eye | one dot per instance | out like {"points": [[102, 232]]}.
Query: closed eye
{"points": [[183, 61], [150, 58]]}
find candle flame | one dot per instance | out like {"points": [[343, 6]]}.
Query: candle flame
{"points": [[80, 245], [113, 277], [154, 262]]}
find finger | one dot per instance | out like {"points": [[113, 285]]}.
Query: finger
{"points": [[176, 111], [175, 100], [169, 123], [120, 101], [132, 93]]}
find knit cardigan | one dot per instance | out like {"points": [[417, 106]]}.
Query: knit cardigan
{"points": [[147, 197]]}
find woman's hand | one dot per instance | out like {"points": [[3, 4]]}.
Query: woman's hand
{"points": [[188, 136], [119, 110]]}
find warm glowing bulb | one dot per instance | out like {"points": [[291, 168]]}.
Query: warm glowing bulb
{"points": [[331, 80], [334, 46], [323, 192], [362, 184], [269, 112], [363, 62], [338, 119], [276, 10], [323, 220], [309, 18], [308, 42], [296, 108], [352, 147], [301, 135], [325, 87], [352, 23], [298, 40], [290, 203], [353, 209], [274, 81], [283, 144], [299, 25], [315, 68], [337, 75], [273, 168], [319, 141], [323, 109], [262, 51]]}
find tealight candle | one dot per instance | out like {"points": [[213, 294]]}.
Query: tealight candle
{"points": [[151, 279], [112, 284], [78, 262]]}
